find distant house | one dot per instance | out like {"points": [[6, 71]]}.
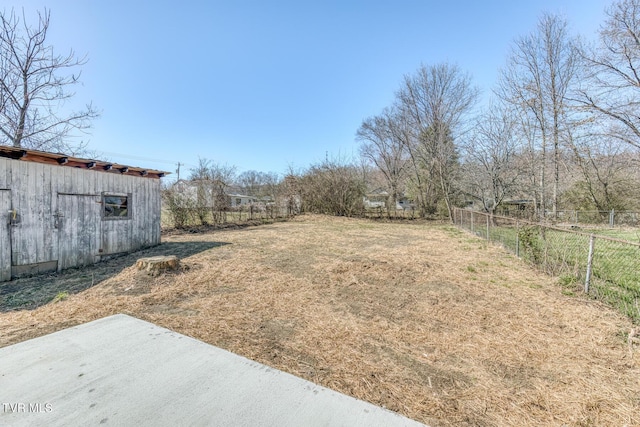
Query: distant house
{"points": [[267, 200], [405, 203], [60, 211], [188, 188], [376, 199], [291, 204], [239, 200], [520, 204], [509, 206], [379, 198], [205, 191], [202, 192]]}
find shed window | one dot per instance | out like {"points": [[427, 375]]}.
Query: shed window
{"points": [[116, 206]]}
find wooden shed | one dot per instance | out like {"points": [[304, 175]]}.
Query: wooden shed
{"points": [[59, 211]]}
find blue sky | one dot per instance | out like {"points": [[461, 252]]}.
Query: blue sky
{"points": [[268, 85]]}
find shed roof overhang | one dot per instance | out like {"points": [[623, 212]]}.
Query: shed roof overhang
{"points": [[59, 159]]}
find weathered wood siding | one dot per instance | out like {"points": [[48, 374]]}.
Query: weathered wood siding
{"points": [[78, 230], [5, 243], [60, 209]]}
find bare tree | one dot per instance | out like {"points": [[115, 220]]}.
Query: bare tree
{"points": [[290, 193], [417, 183], [200, 179], [35, 85], [212, 171], [607, 174], [211, 181], [382, 144], [540, 71], [258, 184], [613, 89], [334, 187], [251, 182], [532, 160], [179, 204], [437, 100], [491, 164], [270, 185]]}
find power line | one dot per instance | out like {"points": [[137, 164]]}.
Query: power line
{"points": [[146, 159]]}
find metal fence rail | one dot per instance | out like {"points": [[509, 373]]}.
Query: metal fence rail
{"points": [[610, 218], [606, 268]]}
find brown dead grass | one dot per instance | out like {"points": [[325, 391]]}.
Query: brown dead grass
{"points": [[422, 319]]}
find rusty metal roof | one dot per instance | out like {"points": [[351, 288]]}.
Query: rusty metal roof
{"points": [[59, 159]]}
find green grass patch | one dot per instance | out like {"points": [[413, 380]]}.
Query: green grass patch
{"points": [[61, 296], [631, 235], [615, 268]]}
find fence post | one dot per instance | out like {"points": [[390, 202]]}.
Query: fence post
{"points": [[488, 238], [472, 230], [612, 215], [587, 280], [517, 238]]}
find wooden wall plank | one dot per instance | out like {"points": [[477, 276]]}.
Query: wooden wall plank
{"points": [[4, 173], [17, 184], [5, 243]]}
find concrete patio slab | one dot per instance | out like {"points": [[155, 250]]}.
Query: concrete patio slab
{"points": [[123, 371]]}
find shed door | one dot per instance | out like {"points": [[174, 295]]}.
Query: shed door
{"points": [[78, 218], [5, 240]]}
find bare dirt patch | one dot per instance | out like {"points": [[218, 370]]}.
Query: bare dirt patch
{"points": [[422, 319]]}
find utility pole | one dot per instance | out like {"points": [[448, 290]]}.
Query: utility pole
{"points": [[178, 171]]}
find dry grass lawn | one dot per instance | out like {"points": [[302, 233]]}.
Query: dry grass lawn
{"points": [[419, 318]]}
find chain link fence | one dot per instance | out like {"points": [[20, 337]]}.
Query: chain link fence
{"points": [[606, 268], [610, 218], [185, 217]]}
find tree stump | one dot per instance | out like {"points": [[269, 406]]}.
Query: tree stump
{"points": [[158, 264]]}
